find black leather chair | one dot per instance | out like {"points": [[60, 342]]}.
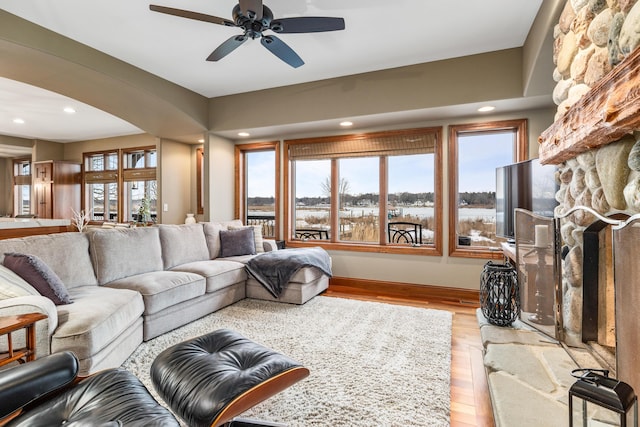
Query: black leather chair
{"points": [[404, 232], [206, 381], [47, 392]]}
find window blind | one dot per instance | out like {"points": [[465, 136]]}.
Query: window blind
{"points": [[416, 141]]}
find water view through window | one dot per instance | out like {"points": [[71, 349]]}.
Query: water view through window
{"points": [[479, 154], [260, 182]]}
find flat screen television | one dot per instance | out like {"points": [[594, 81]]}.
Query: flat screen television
{"points": [[527, 185]]}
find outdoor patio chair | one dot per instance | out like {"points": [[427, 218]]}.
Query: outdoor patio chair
{"points": [[404, 232]]}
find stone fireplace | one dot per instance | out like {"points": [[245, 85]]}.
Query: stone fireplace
{"points": [[595, 142]]}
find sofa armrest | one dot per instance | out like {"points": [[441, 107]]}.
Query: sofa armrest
{"points": [[269, 245], [44, 328]]}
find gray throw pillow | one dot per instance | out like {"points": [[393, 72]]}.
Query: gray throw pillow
{"points": [[38, 274], [237, 242]]}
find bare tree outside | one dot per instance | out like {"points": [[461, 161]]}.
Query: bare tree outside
{"points": [[343, 189]]}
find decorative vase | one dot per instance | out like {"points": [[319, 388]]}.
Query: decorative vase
{"points": [[190, 219]]}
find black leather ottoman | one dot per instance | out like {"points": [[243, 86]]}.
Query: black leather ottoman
{"points": [[209, 380]]}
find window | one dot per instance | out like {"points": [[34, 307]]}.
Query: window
{"points": [[312, 195], [359, 199], [21, 187], [116, 183], [257, 185], [140, 191], [475, 151], [101, 185], [416, 197], [363, 191]]}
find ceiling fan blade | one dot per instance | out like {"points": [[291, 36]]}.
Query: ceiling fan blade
{"points": [[248, 6], [227, 47], [192, 15], [307, 24], [282, 50]]}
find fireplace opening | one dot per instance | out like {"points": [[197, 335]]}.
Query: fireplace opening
{"points": [[599, 305], [600, 312]]}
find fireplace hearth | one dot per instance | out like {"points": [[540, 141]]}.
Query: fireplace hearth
{"points": [[603, 271]]}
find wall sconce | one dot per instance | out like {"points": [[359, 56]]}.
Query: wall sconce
{"points": [[613, 402]]}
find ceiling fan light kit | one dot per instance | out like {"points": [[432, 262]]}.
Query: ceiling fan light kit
{"points": [[255, 18]]}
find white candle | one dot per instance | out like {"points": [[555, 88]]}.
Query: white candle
{"points": [[541, 236]]}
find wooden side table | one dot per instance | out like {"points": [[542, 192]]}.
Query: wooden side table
{"points": [[9, 324]]}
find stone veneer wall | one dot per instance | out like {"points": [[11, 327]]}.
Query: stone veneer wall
{"points": [[591, 38]]}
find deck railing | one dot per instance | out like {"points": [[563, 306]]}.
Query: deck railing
{"points": [[268, 223]]}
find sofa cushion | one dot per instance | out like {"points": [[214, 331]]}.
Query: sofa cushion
{"points": [[97, 317], [212, 234], [236, 242], [67, 254], [182, 244], [38, 274], [257, 236], [124, 252], [162, 289], [219, 273], [12, 285]]}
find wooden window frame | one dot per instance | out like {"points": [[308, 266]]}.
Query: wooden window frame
{"points": [[382, 246], [240, 207], [520, 126], [120, 175], [22, 180]]}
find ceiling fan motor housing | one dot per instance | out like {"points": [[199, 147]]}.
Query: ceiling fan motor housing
{"points": [[253, 28]]}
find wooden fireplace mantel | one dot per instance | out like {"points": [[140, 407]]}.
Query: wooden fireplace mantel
{"points": [[609, 111]]}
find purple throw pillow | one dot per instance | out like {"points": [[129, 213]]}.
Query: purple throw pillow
{"points": [[237, 242], [38, 274]]}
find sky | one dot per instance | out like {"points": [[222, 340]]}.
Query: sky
{"points": [[478, 156]]}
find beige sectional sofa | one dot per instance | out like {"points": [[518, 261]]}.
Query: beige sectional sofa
{"points": [[133, 284]]}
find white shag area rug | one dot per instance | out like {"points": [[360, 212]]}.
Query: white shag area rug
{"points": [[372, 364]]}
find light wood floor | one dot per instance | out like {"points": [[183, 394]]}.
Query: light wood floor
{"points": [[470, 402]]}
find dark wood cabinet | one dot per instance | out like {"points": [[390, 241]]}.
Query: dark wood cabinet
{"points": [[56, 189]]}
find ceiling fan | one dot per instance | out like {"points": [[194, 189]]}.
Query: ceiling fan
{"points": [[255, 18]]}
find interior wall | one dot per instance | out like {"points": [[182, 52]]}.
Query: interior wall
{"points": [[47, 150], [175, 177], [496, 75], [220, 197], [73, 151]]}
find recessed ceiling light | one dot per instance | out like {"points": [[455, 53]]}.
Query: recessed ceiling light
{"points": [[346, 124], [486, 108], [244, 134], [69, 110], [18, 121], [201, 140]]}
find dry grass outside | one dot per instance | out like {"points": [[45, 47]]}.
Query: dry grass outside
{"points": [[477, 226], [366, 228]]}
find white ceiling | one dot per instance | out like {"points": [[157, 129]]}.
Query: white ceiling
{"points": [[379, 34]]}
